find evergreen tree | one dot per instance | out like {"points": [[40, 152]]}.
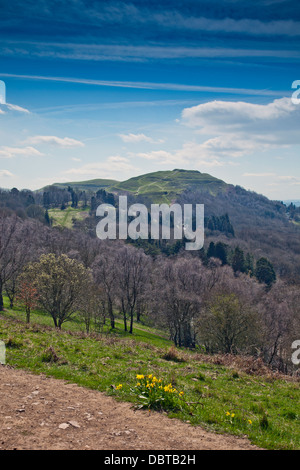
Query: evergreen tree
{"points": [[221, 252], [265, 272], [238, 261], [211, 252]]}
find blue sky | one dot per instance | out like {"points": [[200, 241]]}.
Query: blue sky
{"points": [[115, 89]]}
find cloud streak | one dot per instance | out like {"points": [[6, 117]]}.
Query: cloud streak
{"points": [[137, 138], [149, 85], [11, 152], [135, 53], [65, 142]]}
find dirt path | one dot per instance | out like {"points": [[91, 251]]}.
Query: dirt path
{"points": [[37, 412]]}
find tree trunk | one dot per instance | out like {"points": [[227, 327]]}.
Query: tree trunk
{"points": [[125, 321], [131, 323], [111, 314], [1, 297]]}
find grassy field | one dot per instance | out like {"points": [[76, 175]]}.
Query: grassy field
{"points": [[64, 218], [221, 399]]}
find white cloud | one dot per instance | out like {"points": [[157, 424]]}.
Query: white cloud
{"points": [[259, 175], [5, 174], [10, 152], [65, 142], [241, 128], [8, 107], [237, 114], [191, 153], [117, 159], [112, 167], [136, 138]]}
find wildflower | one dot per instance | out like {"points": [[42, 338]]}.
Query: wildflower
{"points": [[118, 387], [140, 377], [249, 421], [227, 413], [233, 415], [180, 394]]}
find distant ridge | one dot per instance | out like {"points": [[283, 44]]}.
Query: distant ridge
{"points": [[292, 201], [160, 186]]}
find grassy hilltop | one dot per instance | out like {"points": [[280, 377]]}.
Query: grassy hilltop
{"points": [[160, 186]]}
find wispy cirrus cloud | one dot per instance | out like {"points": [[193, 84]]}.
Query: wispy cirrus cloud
{"points": [[125, 14], [149, 85], [135, 53], [8, 108]]}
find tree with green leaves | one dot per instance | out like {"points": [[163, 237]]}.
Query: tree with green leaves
{"points": [[264, 272], [238, 260], [228, 325]]}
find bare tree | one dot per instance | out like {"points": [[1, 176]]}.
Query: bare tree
{"points": [[132, 276]]}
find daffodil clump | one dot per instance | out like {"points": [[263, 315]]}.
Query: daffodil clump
{"points": [[154, 393], [231, 418]]}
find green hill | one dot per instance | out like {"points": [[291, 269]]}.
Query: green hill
{"points": [[92, 185], [165, 186], [160, 186]]}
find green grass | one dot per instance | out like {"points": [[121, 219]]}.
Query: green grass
{"points": [[165, 186], [92, 185], [100, 361], [64, 218]]}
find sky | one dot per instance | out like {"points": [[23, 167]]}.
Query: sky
{"points": [[116, 89]]}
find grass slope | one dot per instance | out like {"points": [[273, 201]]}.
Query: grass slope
{"points": [[92, 185], [160, 186], [164, 186], [265, 409], [64, 218]]}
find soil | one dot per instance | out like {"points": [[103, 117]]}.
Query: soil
{"points": [[42, 413]]}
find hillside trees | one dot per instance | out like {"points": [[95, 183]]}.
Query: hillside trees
{"points": [[179, 289], [105, 275], [61, 283], [228, 325], [133, 270], [280, 310], [16, 237], [27, 295], [264, 272]]}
